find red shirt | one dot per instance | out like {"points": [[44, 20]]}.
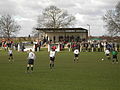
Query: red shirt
{"points": [[53, 47]]}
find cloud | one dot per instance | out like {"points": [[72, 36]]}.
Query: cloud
{"points": [[85, 11]]}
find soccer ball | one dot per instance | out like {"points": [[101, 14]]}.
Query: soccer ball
{"points": [[102, 59]]}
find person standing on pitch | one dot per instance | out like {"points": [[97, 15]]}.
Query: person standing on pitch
{"points": [[10, 52], [76, 54], [114, 56], [31, 59], [107, 53], [52, 58]]}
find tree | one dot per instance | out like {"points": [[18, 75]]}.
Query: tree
{"points": [[112, 20], [53, 17], [8, 26], [35, 33]]}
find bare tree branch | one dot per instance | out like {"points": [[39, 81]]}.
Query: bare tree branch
{"points": [[54, 17], [8, 26], [112, 20]]}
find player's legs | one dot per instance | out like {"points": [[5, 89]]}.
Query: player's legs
{"points": [[77, 59], [12, 57], [69, 49], [9, 57], [31, 67], [53, 61], [28, 66], [50, 62], [113, 59], [74, 59], [108, 56], [30, 62], [116, 59]]}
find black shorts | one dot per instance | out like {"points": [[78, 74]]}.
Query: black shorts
{"points": [[76, 55], [114, 57], [11, 55], [31, 61], [107, 54], [52, 58]]}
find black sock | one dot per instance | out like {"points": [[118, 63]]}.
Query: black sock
{"points": [[77, 60], [32, 68], [52, 65], [27, 68], [116, 60], [113, 61], [108, 58], [74, 60]]}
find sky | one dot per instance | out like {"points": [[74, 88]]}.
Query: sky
{"points": [[87, 12]]}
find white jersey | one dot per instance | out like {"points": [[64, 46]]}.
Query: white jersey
{"points": [[76, 51], [31, 56], [52, 54], [107, 52], [10, 52]]}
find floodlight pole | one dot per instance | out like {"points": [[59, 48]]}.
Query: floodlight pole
{"points": [[89, 29]]}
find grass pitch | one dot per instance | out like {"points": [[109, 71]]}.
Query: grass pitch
{"points": [[91, 73]]}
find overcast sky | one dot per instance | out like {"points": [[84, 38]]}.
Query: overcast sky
{"points": [[86, 12]]}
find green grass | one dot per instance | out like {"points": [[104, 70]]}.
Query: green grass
{"points": [[88, 74]]}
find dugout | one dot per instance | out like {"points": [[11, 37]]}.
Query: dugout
{"points": [[59, 34]]}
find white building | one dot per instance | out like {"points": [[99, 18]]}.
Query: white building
{"points": [[58, 34]]}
